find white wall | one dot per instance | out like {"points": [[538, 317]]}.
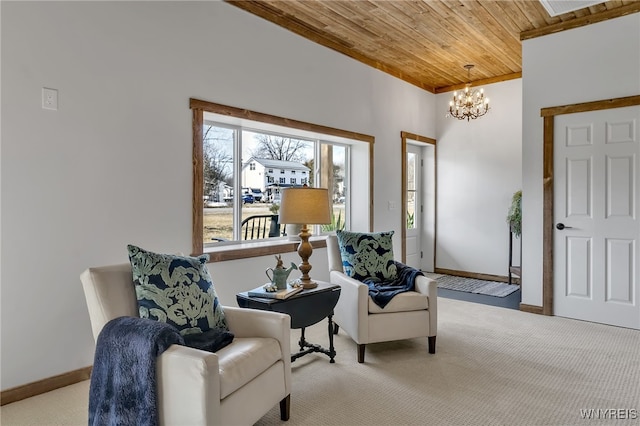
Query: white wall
{"points": [[113, 165], [479, 165], [599, 61]]}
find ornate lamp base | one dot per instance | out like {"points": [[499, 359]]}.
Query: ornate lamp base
{"points": [[304, 251]]}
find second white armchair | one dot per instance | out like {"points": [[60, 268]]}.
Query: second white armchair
{"points": [[408, 315]]}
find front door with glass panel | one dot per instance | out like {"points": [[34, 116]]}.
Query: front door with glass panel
{"points": [[413, 219]]}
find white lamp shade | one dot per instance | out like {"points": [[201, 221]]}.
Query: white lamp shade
{"points": [[304, 206]]}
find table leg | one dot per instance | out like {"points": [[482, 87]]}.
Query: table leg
{"points": [[302, 341], [307, 348], [332, 352]]}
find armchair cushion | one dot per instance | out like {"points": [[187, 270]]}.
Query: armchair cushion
{"points": [[401, 302], [177, 290], [367, 255]]}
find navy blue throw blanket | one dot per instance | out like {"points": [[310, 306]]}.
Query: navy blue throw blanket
{"points": [[383, 291], [122, 390]]}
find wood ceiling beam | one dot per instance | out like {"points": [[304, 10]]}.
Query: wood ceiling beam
{"points": [[482, 82]]}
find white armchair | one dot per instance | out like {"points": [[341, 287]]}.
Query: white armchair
{"points": [[238, 384], [410, 314]]}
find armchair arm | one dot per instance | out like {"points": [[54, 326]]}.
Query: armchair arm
{"points": [[429, 287], [352, 308], [188, 384], [256, 323], [245, 322]]}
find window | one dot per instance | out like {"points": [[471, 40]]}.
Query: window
{"points": [[230, 143], [251, 216], [270, 170]]}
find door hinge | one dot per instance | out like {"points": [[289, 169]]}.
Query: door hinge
{"points": [[421, 255], [421, 208], [421, 162]]}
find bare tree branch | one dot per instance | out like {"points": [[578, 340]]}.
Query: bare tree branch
{"points": [[279, 148]]}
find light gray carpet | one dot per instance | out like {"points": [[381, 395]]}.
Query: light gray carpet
{"points": [[493, 366], [472, 285]]}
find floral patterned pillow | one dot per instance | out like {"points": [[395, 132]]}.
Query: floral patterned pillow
{"points": [[367, 255], [176, 290]]}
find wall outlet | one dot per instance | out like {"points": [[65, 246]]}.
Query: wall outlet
{"points": [[392, 205], [49, 98]]}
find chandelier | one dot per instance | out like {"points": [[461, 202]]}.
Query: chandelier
{"points": [[470, 103]]}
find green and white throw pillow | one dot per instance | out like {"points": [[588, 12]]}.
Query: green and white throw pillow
{"points": [[177, 290], [367, 255]]}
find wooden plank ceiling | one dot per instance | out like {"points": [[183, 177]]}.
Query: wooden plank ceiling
{"points": [[428, 42]]}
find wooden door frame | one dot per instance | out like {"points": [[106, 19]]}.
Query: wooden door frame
{"points": [[548, 115], [403, 229]]}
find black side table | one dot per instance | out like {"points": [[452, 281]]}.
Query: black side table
{"points": [[305, 308]]}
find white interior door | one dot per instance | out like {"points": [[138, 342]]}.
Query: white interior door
{"points": [[413, 221], [596, 161]]}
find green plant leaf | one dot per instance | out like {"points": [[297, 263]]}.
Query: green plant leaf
{"points": [[514, 217]]}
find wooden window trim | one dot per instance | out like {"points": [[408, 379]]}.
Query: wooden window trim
{"points": [[263, 248]]}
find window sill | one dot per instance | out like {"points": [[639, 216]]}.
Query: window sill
{"points": [[256, 249]]}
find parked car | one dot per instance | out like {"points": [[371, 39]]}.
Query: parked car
{"points": [[258, 195], [248, 199]]}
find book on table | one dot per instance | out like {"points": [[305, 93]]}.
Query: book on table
{"points": [[278, 294]]}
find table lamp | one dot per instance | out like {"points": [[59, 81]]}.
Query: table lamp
{"points": [[304, 206]]}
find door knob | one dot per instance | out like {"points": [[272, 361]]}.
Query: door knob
{"points": [[561, 226]]}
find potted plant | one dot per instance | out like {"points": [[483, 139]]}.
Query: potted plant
{"points": [[514, 218], [336, 223]]}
